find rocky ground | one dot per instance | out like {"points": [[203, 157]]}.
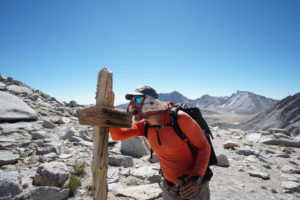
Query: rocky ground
{"points": [[48, 157]]}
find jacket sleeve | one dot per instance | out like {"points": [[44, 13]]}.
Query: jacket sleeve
{"points": [[194, 133], [127, 133]]}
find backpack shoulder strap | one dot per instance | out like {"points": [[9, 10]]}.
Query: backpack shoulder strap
{"points": [[145, 127], [179, 132], [174, 122]]}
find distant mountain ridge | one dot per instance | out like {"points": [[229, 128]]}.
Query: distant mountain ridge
{"points": [[205, 101], [284, 114], [175, 97], [241, 102]]}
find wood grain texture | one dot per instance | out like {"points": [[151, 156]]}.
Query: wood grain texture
{"points": [[100, 155], [104, 116]]}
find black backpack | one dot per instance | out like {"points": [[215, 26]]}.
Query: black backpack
{"points": [[195, 113]]}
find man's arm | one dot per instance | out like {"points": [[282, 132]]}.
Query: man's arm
{"points": [[194, 133], [126, 133]]}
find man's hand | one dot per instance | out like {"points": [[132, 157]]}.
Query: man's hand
{"points": [[190, 189]]}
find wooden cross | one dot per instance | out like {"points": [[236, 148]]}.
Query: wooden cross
{"points": [[102, 116]]}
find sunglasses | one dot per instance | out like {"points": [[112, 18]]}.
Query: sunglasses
{"points": [[137, 99]]}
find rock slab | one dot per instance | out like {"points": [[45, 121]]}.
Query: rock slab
{"points": [[7, 157], [9, 184], [259, 174], [283, 142], [291, 186], [119, 160], [135, 147], [222, 161], [45, 193], [14, 109], [141, 192], [51, 174]]}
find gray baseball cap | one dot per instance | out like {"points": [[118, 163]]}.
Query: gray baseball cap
{"points": [[142, 91]]}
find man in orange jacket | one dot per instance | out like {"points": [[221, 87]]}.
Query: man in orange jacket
{"points": [[174, 154]]}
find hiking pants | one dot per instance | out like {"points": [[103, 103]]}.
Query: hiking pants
{"points": [[170, 192]]}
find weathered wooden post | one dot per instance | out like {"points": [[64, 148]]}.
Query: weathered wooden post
{"points": [[102, 116]]}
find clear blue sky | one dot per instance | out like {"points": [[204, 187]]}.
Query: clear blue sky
{"points": [[192, 46]]}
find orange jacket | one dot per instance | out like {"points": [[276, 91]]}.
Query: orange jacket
{"points": [[174, 155]]}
